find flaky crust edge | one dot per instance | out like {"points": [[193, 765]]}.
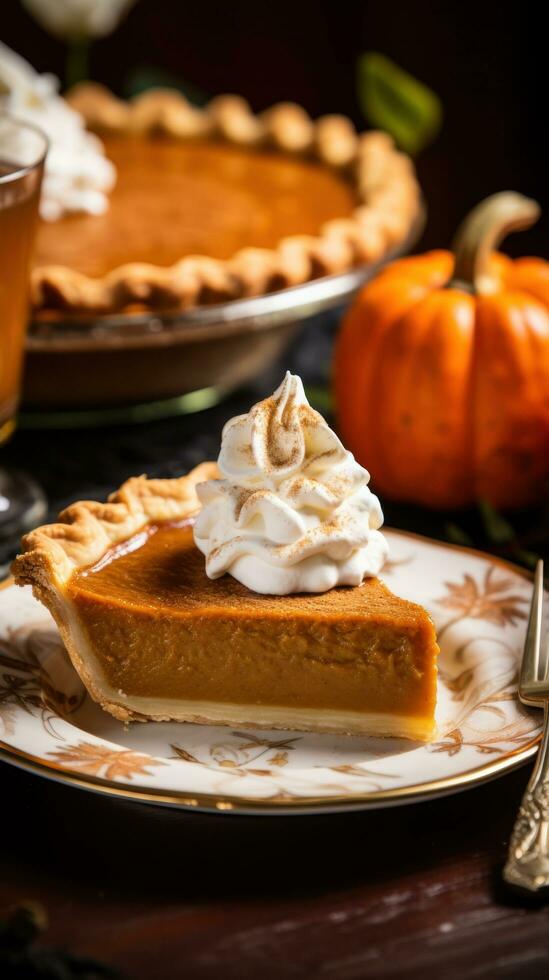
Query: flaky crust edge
{"points": [[84, 532], [87, 529], [383, 177]]}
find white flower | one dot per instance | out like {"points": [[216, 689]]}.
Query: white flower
{"points": [[78, 175], [78, 18]]}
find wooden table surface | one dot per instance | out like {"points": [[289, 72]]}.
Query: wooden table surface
{"points": [[413, 891]]}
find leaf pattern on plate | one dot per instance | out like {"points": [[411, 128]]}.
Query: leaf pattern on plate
{"points": [[490, 600], [31, 688], [101, 760], [481, 689], [240, 757], [8, 717], [486, 744], [393, 563], [181, 753]]}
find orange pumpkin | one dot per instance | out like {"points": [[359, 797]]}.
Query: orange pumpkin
{"points": [[442, 370]]}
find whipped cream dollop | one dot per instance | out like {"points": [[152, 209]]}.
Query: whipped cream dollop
{"points": [[78, 176], [293, 511]]}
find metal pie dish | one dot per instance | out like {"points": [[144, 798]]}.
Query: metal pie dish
{"points": [[77, 362]]}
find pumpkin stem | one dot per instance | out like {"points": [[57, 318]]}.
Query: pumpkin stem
{"points": [[481, 233]]}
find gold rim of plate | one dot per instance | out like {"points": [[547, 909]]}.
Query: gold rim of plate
{"points": [[243, 805], [271, 805]]}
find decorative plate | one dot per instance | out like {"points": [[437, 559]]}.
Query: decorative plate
{"points": [[49, 725]]}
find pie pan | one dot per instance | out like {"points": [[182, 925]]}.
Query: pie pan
{"points": [[111, 363]]}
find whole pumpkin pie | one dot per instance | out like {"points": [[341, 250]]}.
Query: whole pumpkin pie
{"points": [[283, 625], [218, 203]]}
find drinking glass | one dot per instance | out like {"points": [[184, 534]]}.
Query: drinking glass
{"points": [[23, 149]]}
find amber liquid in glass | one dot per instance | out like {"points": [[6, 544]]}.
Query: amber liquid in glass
{"points": [[18, 216]]}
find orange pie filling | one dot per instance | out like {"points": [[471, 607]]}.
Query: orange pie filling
{"points": [[174, 199], [165, 641]]}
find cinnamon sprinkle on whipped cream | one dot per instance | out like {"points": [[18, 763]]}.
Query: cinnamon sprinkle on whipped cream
{"points": [[293, 511]]}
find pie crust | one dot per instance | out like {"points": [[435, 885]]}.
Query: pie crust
{"points": [[384, 180], [52, 553], [292, 628]]}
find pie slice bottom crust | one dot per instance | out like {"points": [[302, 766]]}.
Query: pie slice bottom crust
{"points": [[153, 638]]}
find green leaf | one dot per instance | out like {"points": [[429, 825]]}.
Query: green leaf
{"points": [[395, 101], [525, 557], [456, 535], [145, 77], [320, 398], [497, 528]]}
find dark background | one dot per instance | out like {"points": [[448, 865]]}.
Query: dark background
{"points": [[405, 893], [485, 60]]}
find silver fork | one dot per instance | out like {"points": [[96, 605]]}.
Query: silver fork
{"points": [[528, 861]]}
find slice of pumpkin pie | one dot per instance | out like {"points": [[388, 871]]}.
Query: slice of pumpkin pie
{"points": [[243, 594]]}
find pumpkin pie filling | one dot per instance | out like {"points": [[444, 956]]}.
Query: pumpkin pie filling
{"points": [[217, 203], [194, 198], [165, 632]]}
